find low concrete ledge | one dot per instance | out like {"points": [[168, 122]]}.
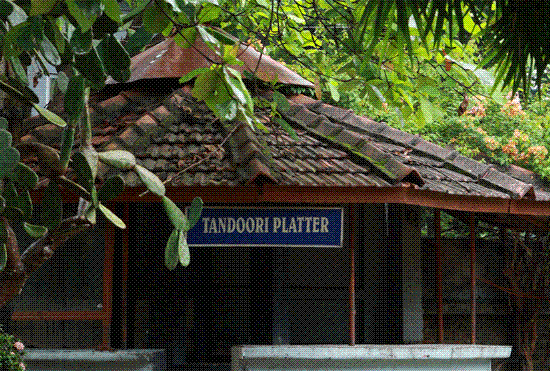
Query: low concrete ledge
{"points": [[420, 351], [82, 359], [365, 357]]}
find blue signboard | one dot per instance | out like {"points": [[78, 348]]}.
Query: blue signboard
{"points": [[280, 227]]}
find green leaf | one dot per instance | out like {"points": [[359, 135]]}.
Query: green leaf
{"points": [[15, 89], [35, 231], [171, 251], [208, 13], [9, 156], [5, 138], [50, 116], [136, 9], [154, 19], [111, 188], [24, 175], [118, 158], [85, 12], [103, 26], [41, 6], [3, 123], [19, 70], [6, 8], [83, 170], [174, 5], [138, 41], [49, 51], [90, 66], [112, 217], [427, 110], [52, 30], [207, 37], [112, 9], [52, 206], [30, 34], [91, 214], [74, 98], [195, 211], [93, 194], [334, 94], [191, 75], [10, 194], [286, 126], [183, 249], [281, 101], [186, 37], [3, 255], [62, 82], [116, 59], [24, 203], [81, 42], [221, 37], [205, 84], [152, 182], [176, 216]]}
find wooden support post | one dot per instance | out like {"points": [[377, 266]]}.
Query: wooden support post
{"points": [[108, 284], [439, 274], [473, 275], [125, 247], [352, 310]]}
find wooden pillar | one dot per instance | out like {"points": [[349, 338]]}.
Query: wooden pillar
{"points": [[352, 311], [473, 275], [108, 284], [439, 274], [125, 247]]}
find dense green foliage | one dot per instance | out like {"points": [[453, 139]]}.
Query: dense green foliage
{"points": [[11, 353]]}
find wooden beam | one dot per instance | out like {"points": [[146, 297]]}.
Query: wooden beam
{"points": [[405, 194]]}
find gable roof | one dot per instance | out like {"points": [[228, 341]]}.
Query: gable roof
{"points": [[178, 138], [168, 60]]}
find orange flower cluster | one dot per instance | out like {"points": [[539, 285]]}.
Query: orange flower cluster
{"points": [[491, 143], [513, 106], [478, 110], [510, 149], [521, 136], [538, 152]]}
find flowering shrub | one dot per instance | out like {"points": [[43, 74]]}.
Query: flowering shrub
{"points": [[503, 134], [11, 353]]}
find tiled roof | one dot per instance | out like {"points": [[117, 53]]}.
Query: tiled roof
{"points": [[177, 137], [168, 60]]}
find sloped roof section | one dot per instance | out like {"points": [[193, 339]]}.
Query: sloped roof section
{"points": [[396, 152], [178, 138], [168, 60]]}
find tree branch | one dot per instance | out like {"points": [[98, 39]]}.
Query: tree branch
{"points": [[19, 268]]}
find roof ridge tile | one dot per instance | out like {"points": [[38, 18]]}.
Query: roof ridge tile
{"points": [[386, 164], [510, 185]]}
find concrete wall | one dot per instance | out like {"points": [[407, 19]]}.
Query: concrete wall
{"points": [[69, 360]]}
